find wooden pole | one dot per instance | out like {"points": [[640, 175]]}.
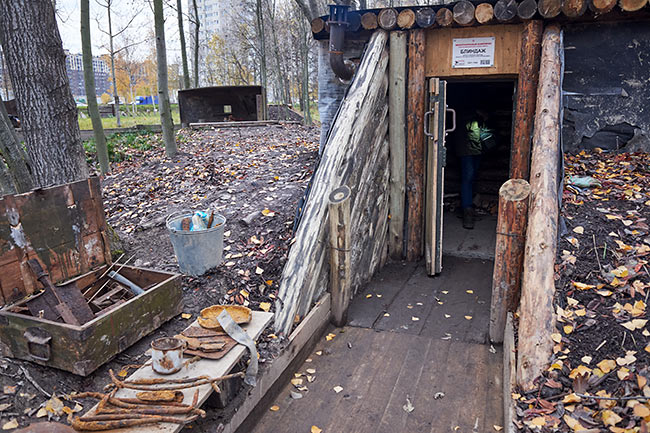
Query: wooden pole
{"points": [[549, 8], [444, 17], [464, 13], [339, 222], [406, 19], [601, 6], [531, 45], [415, 145], [387, 19], [632, 5], [527, 9], [425, 17], [574, 8], [505, 10], [484, 13], [317, 25], [397, 142], [509, 253], [369, 21], [537, 319]]}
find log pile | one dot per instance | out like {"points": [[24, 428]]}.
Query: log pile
{"points": [[356, 156]]}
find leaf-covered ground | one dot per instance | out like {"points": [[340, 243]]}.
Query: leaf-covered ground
{"points": [[259, 173], [598, 375]]}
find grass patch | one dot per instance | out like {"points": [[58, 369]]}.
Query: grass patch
{"points": [[143, 118], [123, 146]]}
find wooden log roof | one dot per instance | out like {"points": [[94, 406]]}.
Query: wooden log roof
{"points": [[455, 14]]}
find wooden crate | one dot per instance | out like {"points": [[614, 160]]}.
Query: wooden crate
{"points": [[64, 228]]}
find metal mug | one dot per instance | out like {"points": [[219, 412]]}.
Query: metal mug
{"points": [[167, 355]]}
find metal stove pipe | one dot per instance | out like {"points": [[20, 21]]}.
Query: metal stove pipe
{"points": [[338, 22]]}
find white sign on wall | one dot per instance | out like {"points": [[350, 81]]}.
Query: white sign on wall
{"points": [[473, 53]]}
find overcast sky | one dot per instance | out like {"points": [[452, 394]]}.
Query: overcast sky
{"points": [[69, 22]]}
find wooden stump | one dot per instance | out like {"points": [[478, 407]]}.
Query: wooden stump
{"points": [[602, 6], [406, 19], [369, 21], [387, 19], [444, 17], [425, 17], [339, 236], [537, 318], [484, 13], [527, 9], [531, 47], [549, 8], [632, 5], [317, 25], [505, 10], [509, 253], [464, 13], [574, 8]]}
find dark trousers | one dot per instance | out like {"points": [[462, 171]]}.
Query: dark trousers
{"points": [[468, 168]]}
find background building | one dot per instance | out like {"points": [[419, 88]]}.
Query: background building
{"points": [[74, 68]]}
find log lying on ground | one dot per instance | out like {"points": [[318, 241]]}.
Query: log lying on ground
{"points": [[444, 17], [531, 47], [484, 13], [505, 10], [425, 17], [508, 253], [339, 222], [632, 5], [397, 141], [527, 9], [574, 8], [601, 6], [317, 25], [415, 145], [464, 13], [536, 318], [549, 8], [357, 156], [387, 19], [406, 19], [369, 21]]}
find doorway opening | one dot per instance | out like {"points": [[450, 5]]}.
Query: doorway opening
{"points": [[494, 99]]}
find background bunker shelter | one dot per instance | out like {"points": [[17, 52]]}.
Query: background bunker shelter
{"points": [[559, 77]]}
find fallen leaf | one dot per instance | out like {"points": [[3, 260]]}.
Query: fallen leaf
{"points": [[556, 337], [265, 306], [470, 291], [267, 212], [610, 417], [623, 373], [41, 413], [635, 324], [330, 336], [408, 407], [468, 317], [10, 425], [607, 365], [9, 389], [186, 316], [415, 319], [337, 389], [315, 429], [568, 329], [580, 230], [369, 295], [582, 286], [274, 408], [538, 421], [310, 371], [571, 398], [447, 316], [586, 359], [641, 410], [296, 382], [259, 271], [581, 369], [497, 427]]}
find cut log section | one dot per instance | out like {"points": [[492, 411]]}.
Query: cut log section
{"points": [[387, 19], [406, 19], [509, 253], [354, 22], [602, 6], [632, 5], [527, 9], [444, 17], [339, 222], [484, 13], [537, 318], [464, 13], [369, 21], [317, 25], [425, 17], [549, 8], [574, 8], [505, 10]]}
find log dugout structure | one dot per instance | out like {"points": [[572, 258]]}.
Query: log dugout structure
{"points": [[355, 155], [536, 319]]}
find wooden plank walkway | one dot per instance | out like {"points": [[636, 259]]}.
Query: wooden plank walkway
{"points": [[382, 362]]}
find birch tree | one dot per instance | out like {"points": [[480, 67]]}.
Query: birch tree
{"points": [[163, 90], [181, 33]]}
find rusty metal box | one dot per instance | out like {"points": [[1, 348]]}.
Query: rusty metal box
{"points": [[64, 228]]}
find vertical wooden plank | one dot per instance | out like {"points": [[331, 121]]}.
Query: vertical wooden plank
{"points": [[397, 141], [531, 45], [441, 119], [430, 201], [415, 144], [339, 222]]}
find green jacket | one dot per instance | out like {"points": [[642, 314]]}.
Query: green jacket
{"points": [[471, 143]]}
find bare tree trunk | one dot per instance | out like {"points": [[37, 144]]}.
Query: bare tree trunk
{"points": [[197, 25], [91, 95], [305, 72], [259, 11], [36, 65], [181, 33], [112, 54], [15, 158], [163, 90]]}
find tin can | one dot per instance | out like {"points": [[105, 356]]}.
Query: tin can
{"points": [[167, 355]]}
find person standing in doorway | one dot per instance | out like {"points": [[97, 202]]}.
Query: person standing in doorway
{"points": [[473, 141]]}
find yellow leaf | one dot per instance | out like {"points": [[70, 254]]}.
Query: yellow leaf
{"points": [[337, 389], [415, 319], [581, 370], [586, 359], [556, 337], [635, 324], [622, 373], [572, 422], [267, 212], [568, 329], [41, 413], [604, 292], [497, 427], [572, 302], [580, 230], [10, 425], [581, 312], [621, 272], [641, 410], [269, 282], [610, 417], [468, 317], [641, 381], [470, 291], [265, 306], [571, 398], [329, 336], [607, 365], [296, 382], [315, 429], [538, 421], [369, 295], [557, 365], [259, 271], [274, 408], [582, 286]]}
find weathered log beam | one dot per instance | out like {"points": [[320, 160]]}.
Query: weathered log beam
{"points": [[484, 13], [549, 8], [369, 21], [415, 145], [397, 141], [425, 17], [574, 8], [444, 17], [464, 13], [537, 319], [317, 25], [508, 253], [406, 19], [339, 222], [531, 44], [527, 9], [602, 6], [632, 5], [387, 19], [505, 10]]}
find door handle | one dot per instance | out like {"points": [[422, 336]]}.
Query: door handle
{"points": [[453, 120], [426, 124]]}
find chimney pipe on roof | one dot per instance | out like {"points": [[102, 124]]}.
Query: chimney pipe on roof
{"points": [[338, 22]]}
